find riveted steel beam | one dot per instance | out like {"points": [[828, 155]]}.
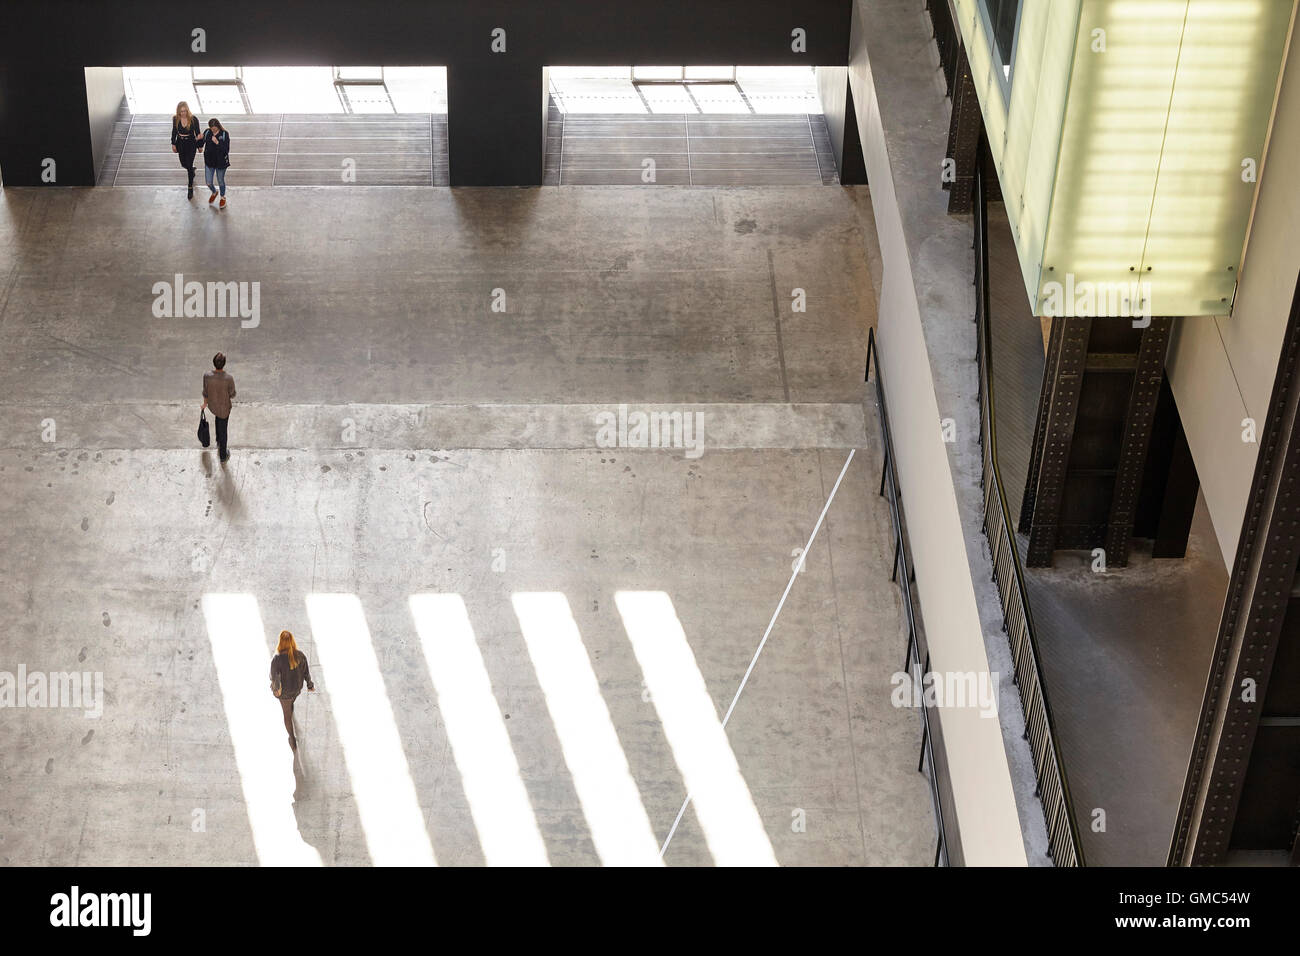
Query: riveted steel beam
{"points": [[964, 133], [1147, 379], [1058, 435], [1255, 619]]}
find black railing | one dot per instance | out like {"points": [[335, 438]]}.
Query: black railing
{"points": [[1063, 844], [946, 38], [905, 574]]}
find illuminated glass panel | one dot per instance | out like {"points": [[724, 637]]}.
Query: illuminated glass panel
{"points": [[1166, 101]]}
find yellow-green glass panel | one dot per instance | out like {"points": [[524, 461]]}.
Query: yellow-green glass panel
{"points": [[1125, 60], [1223, 96], [1048, 37]]}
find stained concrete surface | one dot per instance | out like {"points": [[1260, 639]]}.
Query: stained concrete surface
{"points": [[1125, 656], [467, 475]]}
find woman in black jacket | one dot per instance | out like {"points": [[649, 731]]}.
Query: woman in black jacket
{"points": [[289, 671], [185, 141], [216, 158]]}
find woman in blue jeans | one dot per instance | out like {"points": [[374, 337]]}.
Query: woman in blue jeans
{"points": [[216, 158]]}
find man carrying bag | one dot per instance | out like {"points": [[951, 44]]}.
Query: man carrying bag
{"points": [[218, 393]]}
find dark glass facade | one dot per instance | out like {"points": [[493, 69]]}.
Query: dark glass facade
{"points": [[1002, 15]]}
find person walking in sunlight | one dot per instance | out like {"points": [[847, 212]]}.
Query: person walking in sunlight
{"points": [[289, 671]]}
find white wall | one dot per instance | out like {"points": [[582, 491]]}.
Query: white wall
{"points": [[982, 792], [1221, 368], [104, 93]]}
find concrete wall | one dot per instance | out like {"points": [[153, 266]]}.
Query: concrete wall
{"points": [[45, 128], [1222, 369], [833, 92], [426, 32], [104, 94], [990, 830], [841, 122], [546, 104], [494, 134]]}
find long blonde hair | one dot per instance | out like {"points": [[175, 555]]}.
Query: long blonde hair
{"points": [[288, 646], [176, 117]]}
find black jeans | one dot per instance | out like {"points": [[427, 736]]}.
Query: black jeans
{"points": [[186, 156], [221, 435]]}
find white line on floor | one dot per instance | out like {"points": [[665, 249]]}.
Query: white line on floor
{"points": [[803, 556]]}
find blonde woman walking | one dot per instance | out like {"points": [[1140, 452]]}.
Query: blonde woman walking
{"points": [[187, 138], [289, 671]]}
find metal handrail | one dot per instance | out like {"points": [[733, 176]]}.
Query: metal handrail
{"points": [[1064, 845], [889, 482]]}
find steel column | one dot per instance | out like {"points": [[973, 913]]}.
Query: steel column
{"points": [[1147, 379], [1259, 592], [1058, 434]]}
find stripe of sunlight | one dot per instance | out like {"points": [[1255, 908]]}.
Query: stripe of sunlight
{"points": [[723, 805], [381, 780], [503, 816], [262, 756], [620, 828]]}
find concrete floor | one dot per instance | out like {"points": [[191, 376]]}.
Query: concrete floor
{"points": [[471, 469], [1125, 657]]}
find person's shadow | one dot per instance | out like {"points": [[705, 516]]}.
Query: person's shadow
{"points": [[301, 775], [228, 494], [310, 814], [227, 487]]}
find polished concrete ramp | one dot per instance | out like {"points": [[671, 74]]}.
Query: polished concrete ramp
{"points": [[523, 635], [1124, 653], [288, 149], [717, 149], [1125, 657]]}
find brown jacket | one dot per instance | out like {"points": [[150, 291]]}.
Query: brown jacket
{"points": [[291, 678], [219, 389]]}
